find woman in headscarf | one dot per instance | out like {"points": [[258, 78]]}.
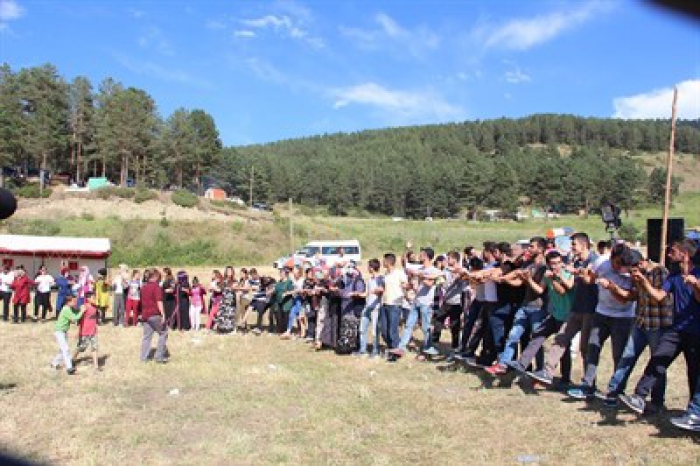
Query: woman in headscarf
{"points": [[226, 317], [169, 298], [216, 289], [183, 300], [85, 284]]}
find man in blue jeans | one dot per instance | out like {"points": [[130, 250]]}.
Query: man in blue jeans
{"points": [[614, 314], [423, 305], [684, 335], [370, 313], [395, 285], [532, 311], [652, 319]]}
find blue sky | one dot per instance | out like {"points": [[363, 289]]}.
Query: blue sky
{"points": [[282, 69]]}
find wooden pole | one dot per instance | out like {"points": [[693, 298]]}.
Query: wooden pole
{"points": [[250, 194], [669, 179], [291, 227]]}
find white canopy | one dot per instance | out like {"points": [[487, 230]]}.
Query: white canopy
{"points": [[55, 246]]}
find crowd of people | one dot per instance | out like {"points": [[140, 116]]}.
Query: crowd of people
{"points": [[497, 306]]}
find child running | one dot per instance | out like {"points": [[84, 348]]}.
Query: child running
{"points": [[68, 314], [87, 329]]}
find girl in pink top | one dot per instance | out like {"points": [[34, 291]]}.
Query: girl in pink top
{"points": [[197, 293]]}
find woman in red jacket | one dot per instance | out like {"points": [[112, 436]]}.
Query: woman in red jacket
{"points": [[20, 286]]}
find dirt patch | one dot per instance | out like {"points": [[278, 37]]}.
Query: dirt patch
{"points": [[122, 208]]}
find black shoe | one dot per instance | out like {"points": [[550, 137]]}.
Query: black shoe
{"points": [[542, 376], [70, 371], [689, 422], [634, 402], [517, 367], [162, 361]]}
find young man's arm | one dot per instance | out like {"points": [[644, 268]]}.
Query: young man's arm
{"points": [[656, 295], [619, 293], [694, 283], [532, 283]]}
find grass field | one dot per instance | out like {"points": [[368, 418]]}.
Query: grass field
{"points": [[258, 400]]}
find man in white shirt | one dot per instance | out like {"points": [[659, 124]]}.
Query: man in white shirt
{"points": [[42, 297], [423, 305], [6, 279], [395, 285]]}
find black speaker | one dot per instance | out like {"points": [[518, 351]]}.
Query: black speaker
{"points": [[675, 231]]}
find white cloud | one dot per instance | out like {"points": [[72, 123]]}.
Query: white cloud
{"points": [[243, 33], [155, 39], [10, 10], [390, 34], [160, 72], [525, 33], [284, 25], [215, 25], [657, 103], [515, 75], [399, 106]]}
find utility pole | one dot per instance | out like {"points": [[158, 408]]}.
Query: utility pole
{"points": [[250, 194], [669, 179], [291, 227]]}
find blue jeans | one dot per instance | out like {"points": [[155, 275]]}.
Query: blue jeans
{"points": [[389, 322], [296, 307], [370, 318], [497, 321], [526, 318], [638, 340], [426, 317]]}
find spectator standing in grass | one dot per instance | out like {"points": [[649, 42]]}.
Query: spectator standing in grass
{"points": [[64, 283], [182, 293], [101, 296], [153, 314], [68, 314], [395, 286], [133, 299], [6, 278], [370, 313], [20, 286], [197, 294], [42, 296], [169, 298]]}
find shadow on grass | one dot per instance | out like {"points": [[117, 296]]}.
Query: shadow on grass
{"points": [[7, 386], [101, 360]]}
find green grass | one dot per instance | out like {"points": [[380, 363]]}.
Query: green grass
{"points": [[259, 400]]}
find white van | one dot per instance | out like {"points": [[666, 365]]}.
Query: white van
{"points": [[329, 251]]}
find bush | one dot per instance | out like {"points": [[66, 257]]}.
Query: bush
{"points": [[87, 216], [32, 191], [184, 198], [116, 191], [144, 194]]}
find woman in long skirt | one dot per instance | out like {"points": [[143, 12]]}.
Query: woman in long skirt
{"points": [[169, 298], [226, 318], [183, 300]]}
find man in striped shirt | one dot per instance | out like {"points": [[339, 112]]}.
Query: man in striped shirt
{"points": [[651, 320]]}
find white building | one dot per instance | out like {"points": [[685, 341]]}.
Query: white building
{"points": [[55, 252]]}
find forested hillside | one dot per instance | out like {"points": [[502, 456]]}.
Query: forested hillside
{"points": [[543, 161], [441, 169]]}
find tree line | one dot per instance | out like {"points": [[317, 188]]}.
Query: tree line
{"points": [[115, 131], [440, 170], [433, 170]]}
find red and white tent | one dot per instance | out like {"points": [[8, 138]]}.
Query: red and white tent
{"points": [[55, 252]]}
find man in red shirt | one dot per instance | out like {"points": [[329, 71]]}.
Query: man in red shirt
{"points": [[153, 316]]}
